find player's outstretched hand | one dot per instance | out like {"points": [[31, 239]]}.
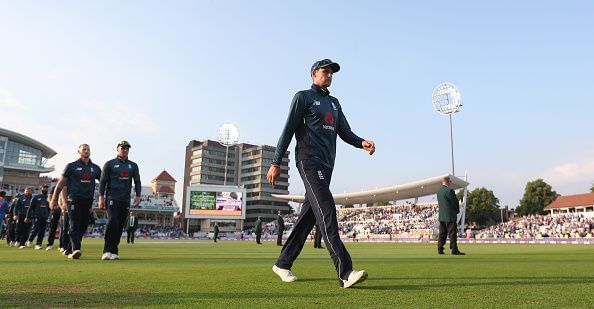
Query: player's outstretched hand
{"points": [[369, 146]]}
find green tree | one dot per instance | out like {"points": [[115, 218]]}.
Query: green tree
{"points": [[482, 206], [592, 188], [537, 195]]}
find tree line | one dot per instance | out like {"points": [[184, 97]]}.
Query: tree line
{"points": [[482, 206]]}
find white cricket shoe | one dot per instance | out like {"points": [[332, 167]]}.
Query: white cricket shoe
{"points": [[356, 276], [106, 256], [61, 250], [285, 274], [114, 257], [21, 247], [48, 248], [28, 244], [75, 255], [37, 247]]}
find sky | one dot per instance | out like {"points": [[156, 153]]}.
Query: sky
{"points": [[162, 73]]}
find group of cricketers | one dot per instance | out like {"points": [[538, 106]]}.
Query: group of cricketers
{"points": [[315, 119], [70, 205]]}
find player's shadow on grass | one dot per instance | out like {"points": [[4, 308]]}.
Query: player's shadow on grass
{"points": [[488, 281], [316, 279], [96, 298]]}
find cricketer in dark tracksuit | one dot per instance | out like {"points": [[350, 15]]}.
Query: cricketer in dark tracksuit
{"points": [[53, 225], [54, 222], [23, 210], [65, 242], [41, 206], [316, 118], [4, 207], [10, 223], [81, 192], [116, 187]]}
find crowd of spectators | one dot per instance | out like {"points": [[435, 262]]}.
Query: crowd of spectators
{"points": [[396, 220], [153, 231], [160, 231], [408, 220], [420, 220], [415, 220], [152, 200], [572, 225]]}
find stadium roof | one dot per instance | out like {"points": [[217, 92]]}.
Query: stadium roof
{"points": [[586, 199], [46, 151], [164, 176], [413, 189]]}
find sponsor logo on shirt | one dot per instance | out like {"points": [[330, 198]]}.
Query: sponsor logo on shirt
{"points": [[334, 106], [316, 103], [124, 175], [328, 121], [320, 175], [86, 177]]}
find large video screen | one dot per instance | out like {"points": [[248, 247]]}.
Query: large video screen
{"points": [[215, 202]]}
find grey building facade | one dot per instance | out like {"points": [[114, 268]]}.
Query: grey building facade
{"points": [[247, 166], [22, 160]]}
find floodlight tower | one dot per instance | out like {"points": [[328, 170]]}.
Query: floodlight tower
{"points": [[447, 101], [227, 135]]}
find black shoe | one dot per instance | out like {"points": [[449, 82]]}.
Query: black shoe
{"points": [[440, 252], [458, 253]]}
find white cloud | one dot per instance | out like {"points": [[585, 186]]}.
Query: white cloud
{"points": [[9, 104], [572, 177], [115, 114]]}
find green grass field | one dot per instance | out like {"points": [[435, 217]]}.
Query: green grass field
{"points": [[235, 274]]}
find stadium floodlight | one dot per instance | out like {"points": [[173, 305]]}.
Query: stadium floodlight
{"points": [[447, 101], [227, 135]]}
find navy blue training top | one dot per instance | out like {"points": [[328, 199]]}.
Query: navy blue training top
{"points": [[117, 177], [81, 179], [315, 118], [40, 206]]}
